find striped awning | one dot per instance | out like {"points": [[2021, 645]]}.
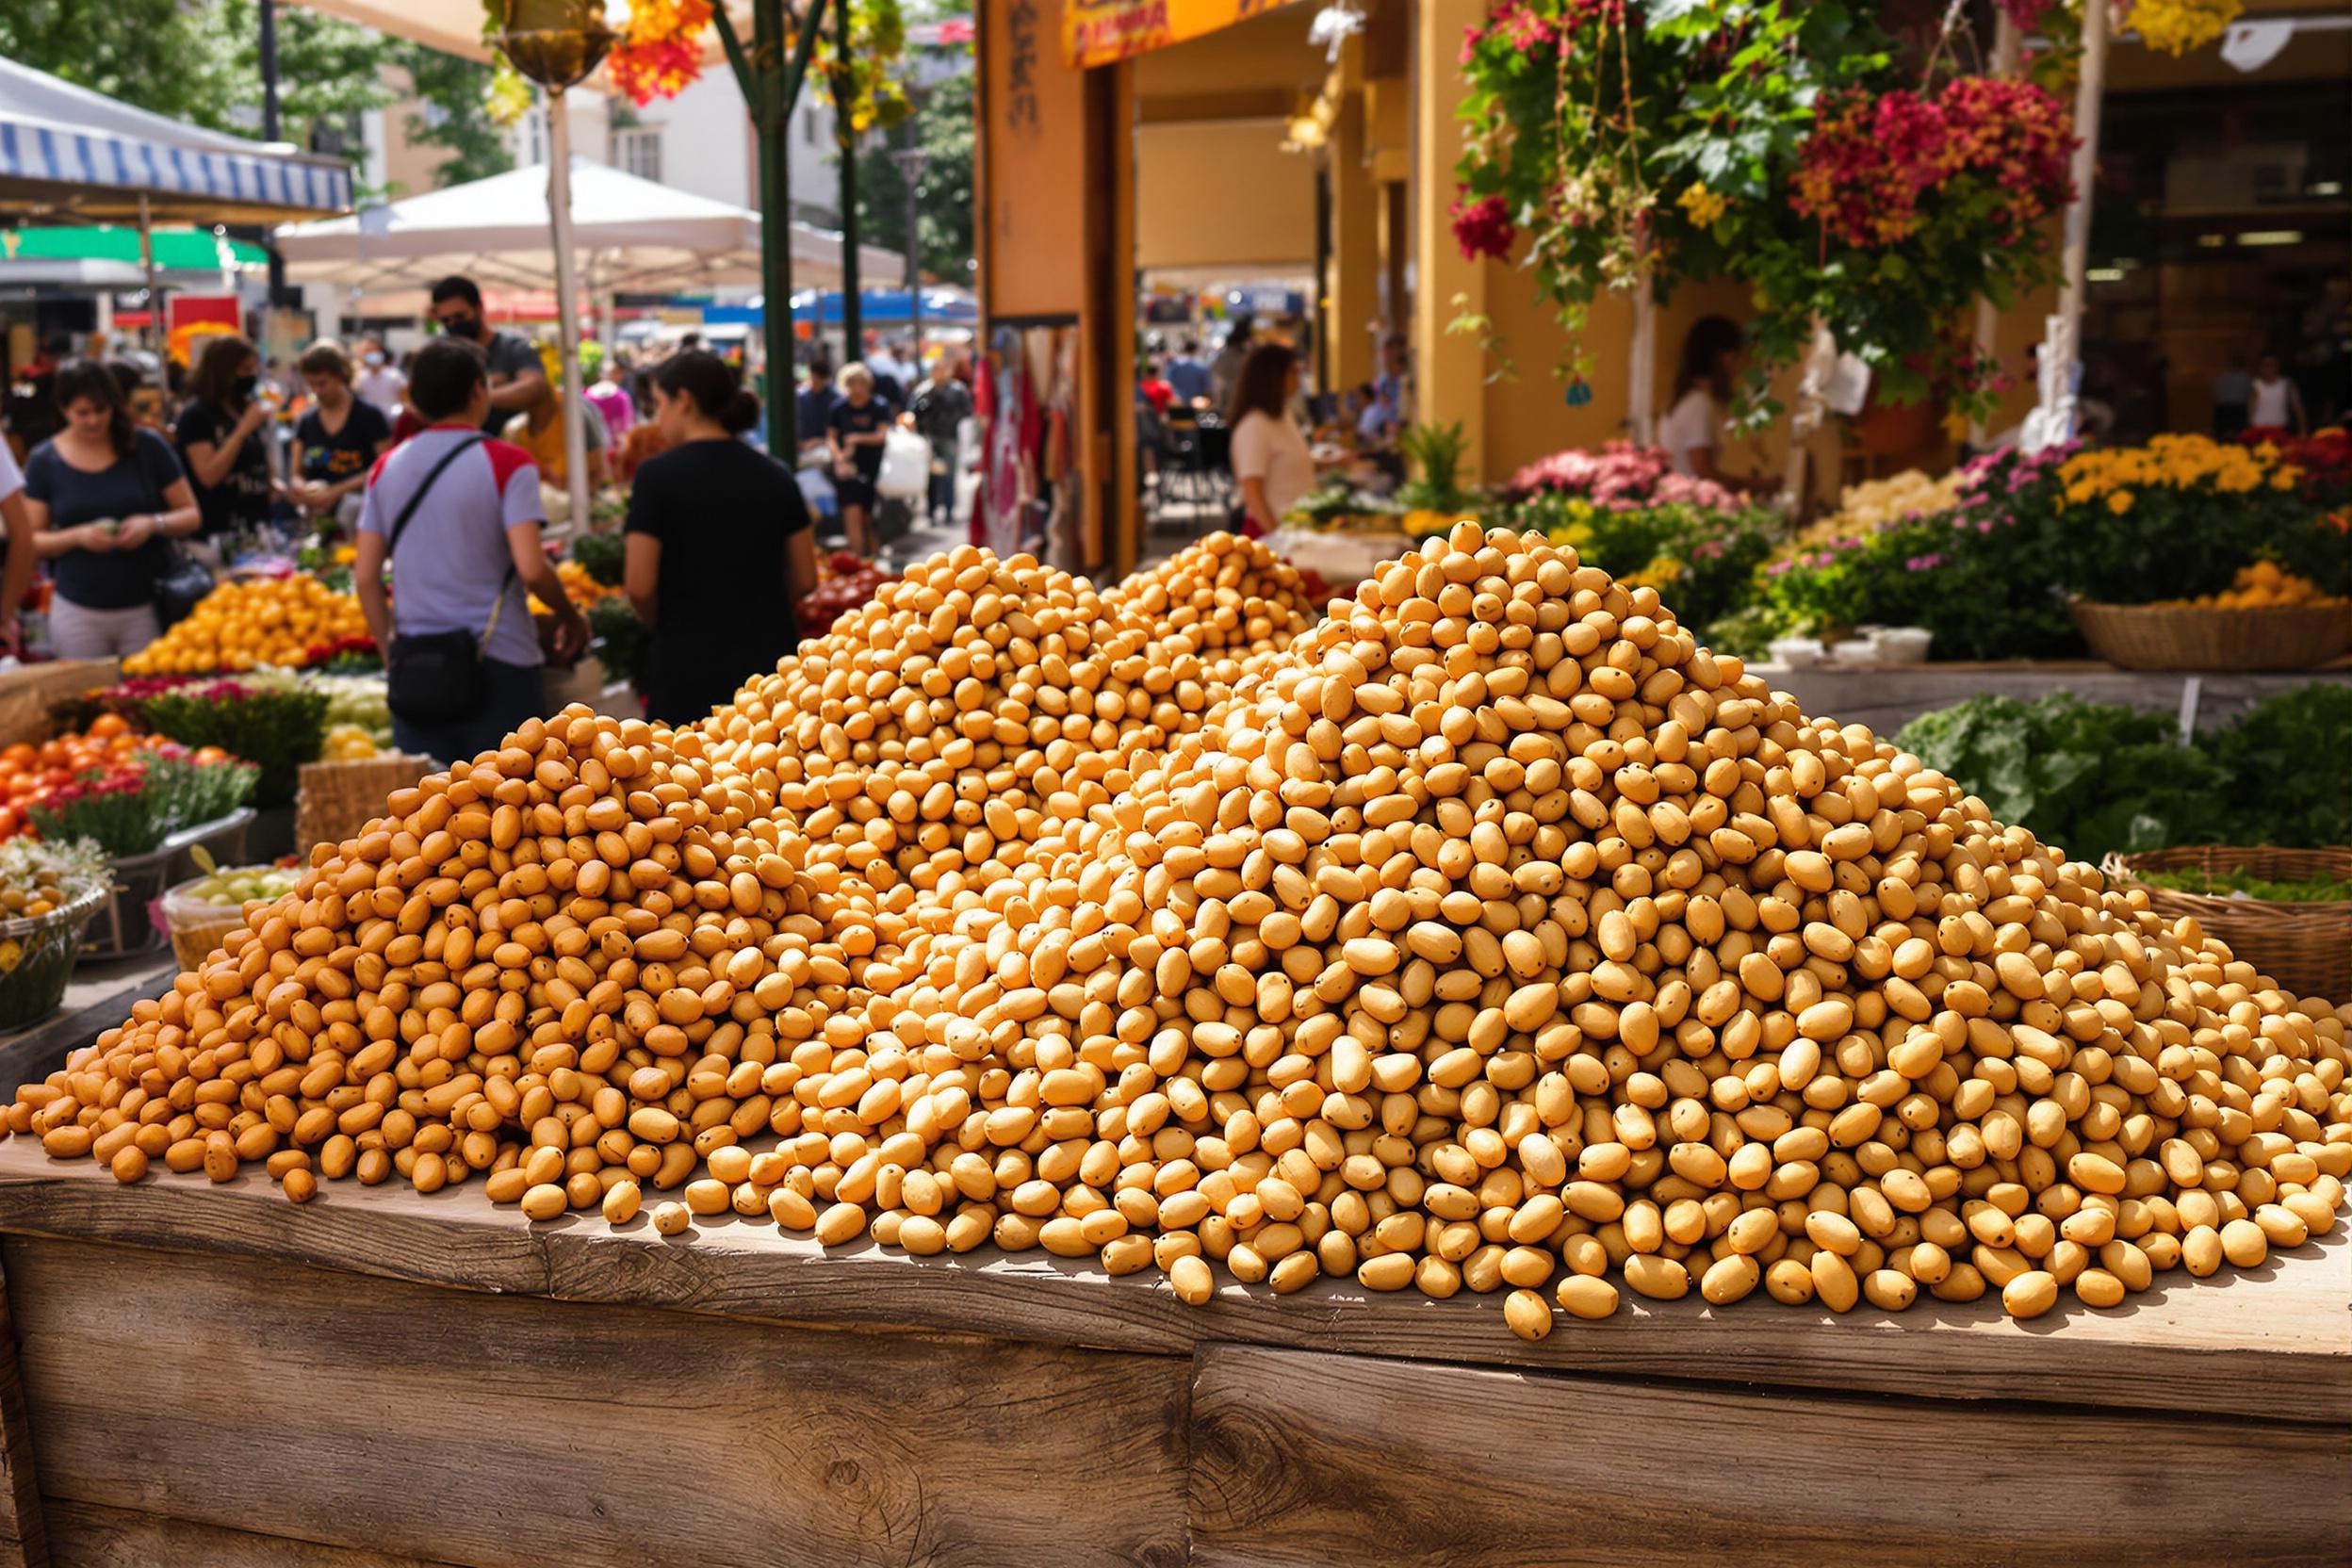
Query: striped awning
{"points": [[66, 148]]}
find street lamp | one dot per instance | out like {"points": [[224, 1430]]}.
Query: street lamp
{"points": [[556, 43]]}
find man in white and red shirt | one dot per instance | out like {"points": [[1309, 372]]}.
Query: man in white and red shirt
{"points": [[470, 556]]}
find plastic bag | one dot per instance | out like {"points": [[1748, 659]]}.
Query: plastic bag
{"points": [[906, 466]]}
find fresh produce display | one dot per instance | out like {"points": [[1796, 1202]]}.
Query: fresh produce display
{"points": [[602, 556], [1496, 937], [29, 773], [234, 887], [48, 891], [580, 587], [354, 702], [2261, 586], [845, 581], [242, 625], [2098, 778], [140, 801], [277, 726], [2241, 883], [1229, 599]]}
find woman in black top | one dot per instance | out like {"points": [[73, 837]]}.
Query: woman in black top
{"points": [[859, 427], [338, 442], [223, 437], [104, 495], [720, 551]]}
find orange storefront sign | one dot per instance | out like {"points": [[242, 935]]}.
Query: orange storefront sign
{"points": [[1095, 32]]}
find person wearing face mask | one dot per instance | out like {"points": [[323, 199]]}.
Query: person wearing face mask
{"points": [[223, 437], [380, 383], [518, 379]]}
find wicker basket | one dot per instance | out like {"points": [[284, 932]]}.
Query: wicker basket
{"points": [[2181, 637], [337, 799], [2306, 948], [197, 925]]}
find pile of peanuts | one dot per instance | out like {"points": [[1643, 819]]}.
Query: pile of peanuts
{"points": [[1494, 937], [1230, 599]]}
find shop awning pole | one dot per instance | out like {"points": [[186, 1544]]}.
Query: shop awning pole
{"points": [[1642, 355], [153, 334], [567, 303]]}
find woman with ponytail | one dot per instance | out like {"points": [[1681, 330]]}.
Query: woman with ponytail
{"points": [[720, 551], [103, 495]]}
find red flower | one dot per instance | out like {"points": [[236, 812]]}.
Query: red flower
{"points": [[1484, 228]]}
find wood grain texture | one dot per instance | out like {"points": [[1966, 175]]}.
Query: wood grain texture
{"points": [[1302, 1459], [87, 1537], [514, 1434], [24, 1538], [2275, 1342]]}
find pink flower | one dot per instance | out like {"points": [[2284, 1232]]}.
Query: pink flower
{"points": [[1484, 228]]}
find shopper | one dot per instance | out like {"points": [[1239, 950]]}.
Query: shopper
{"points": [[1187, 375], [1693, 429], [1225, 369], [860, 426], [517, 378], [2276, 402], [939, 410], [24, 554], [224, 437], [462, 660], [609, 398], [813, 410], [540, 434], [720, 547], [380, 383], [1271, 464], [338, 441], [101, 497]]}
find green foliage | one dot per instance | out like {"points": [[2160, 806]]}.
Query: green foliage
{"points": [[276, 729], [2287, 758], [618, 638], [132, 810], [459, 91], [2237, 880], [1436, 453], [603, 556], [863, 88], [2094, 778], [2086, 777], [942, 127]]}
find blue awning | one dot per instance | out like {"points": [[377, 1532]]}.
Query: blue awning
{"points": [[65, 148], [877, 306]]}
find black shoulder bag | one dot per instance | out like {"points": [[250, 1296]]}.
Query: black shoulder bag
{"points": [[435, 678]]}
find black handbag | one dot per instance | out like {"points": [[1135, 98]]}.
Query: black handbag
{"points": [[182, 587], [435, 678]]}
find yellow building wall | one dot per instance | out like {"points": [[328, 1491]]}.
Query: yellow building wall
{"points": [[1222, 193]]}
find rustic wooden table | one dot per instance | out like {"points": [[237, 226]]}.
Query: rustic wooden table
{"points": [[206, 1375]]}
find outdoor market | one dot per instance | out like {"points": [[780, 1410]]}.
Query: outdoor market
{"points": [[1223, 781]]}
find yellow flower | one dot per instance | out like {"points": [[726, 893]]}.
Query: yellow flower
{"points": [[346, 554], [1703, 205], [2119, 502]]}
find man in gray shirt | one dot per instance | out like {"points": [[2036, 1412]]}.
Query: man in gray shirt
{"points": [[518, 380]]}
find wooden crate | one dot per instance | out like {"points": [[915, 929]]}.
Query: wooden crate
{"points": [[206, 1375]]}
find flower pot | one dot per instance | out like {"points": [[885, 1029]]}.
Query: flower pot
{"points": [[1798, 653], [1904, 645], [126, 924]]}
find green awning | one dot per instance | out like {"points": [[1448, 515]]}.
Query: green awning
{"points": [[177, 249]]}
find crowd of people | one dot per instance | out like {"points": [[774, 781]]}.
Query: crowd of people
{"points": [[1276, 441], [432, 465]]}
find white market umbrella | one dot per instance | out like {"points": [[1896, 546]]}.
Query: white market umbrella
{"points": [[627, 233]]}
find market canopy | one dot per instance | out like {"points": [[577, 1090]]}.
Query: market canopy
{"points": [[175, 249], [877, 306], [66, 148], [630, 235]]}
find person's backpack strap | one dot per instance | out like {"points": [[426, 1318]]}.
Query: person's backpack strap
{"points": [[418, 499]]}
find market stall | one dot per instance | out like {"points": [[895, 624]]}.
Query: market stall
{"points": [[291, 1379]]}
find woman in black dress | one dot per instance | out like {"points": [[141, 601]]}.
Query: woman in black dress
{"points": [[223, 438], [720, 552]]}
